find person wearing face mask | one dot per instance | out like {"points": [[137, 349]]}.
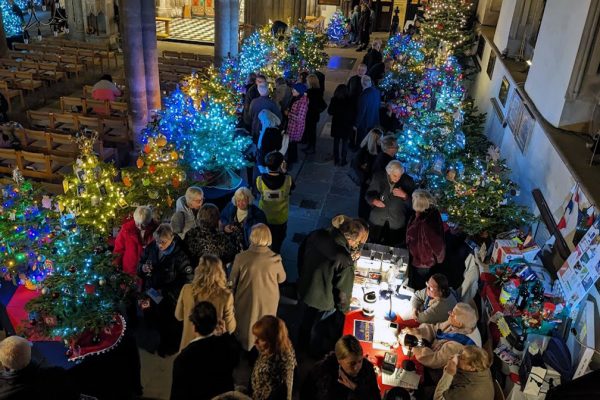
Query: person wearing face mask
{"points": [[239, 216], [389, 196], [342, 375], [466, 377], [134, 235], [164, 268]]}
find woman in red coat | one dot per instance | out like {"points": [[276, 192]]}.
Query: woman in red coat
{"points": [[424, 238], [134, 236]]}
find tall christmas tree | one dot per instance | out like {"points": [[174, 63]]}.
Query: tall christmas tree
{"points": [[408, 65], [26, 229], [445, 26], [337, 29], [91, 192], [260, 52], [220, 86], [304, 51]]}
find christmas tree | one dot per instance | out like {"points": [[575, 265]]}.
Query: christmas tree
{"points": [[304, 51], [445, 26], [157, 179], [260, 53], [408, 65], [12, 23], [84, 292], [220, 86], [91, 192], [26, 229], [337, 29]]}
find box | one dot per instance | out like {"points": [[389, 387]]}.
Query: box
{"points": [[508, 250]]}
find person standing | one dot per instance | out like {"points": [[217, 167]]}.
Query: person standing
{"points": [[263, 102], [389, 149], [186, 211], [354, 90], [364, 27], [296, 117], [363, 164], [354, 30], [240, 215], [251, 94], [395, 22], [255, 278], [374, 55], [133, 237], [316, 105], [283, 94], [341, 125], [367, 116]]}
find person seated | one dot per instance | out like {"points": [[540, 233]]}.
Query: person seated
{"points": [[466, 376], [432, 304], [105, 89], [194, 378], [342, 374], [22, 378], [446, 338]]}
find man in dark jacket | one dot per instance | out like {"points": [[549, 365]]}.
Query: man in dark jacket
{"points": [[326, 275], [263, 102], [354, 90], [364, 27], [251, 94], [389, 149], [367, 116], [204, 368], [389, 195]]}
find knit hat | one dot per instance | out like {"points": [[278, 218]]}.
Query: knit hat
{"points": [[300, 88]]}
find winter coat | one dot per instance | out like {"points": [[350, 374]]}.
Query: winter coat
{"points": [[354, 21], [364, 22], [273, 376], [425, 239], [322, 382], [371, 58], [442, 350], [396, 210], [465, 385], [255, 276], [297, 118], [255, 216], [354, 90], [130, 244], [316, 105], [257, 105], [381, 161], [251, 94], [223, 302], [169, 272], [341, 124], [184, 218], [283, 96], [326, 271], [432, 311], [203, 240], [367, 116]]}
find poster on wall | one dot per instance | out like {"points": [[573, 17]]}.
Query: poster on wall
{"points": [[514, 111], [198, 8]]}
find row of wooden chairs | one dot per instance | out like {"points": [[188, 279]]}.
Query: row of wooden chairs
{"points": [[69, 63], [89, 106], [101, 52], [186, 56], [10, 94], [22, 80], [183, 62], [45, 71], [177, 69], [51, 168]]}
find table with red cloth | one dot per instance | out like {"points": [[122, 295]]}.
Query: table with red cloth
{"points": [[375, 355]]}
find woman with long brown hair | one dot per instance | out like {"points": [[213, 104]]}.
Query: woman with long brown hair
{"points": [[209, 284], [273, 373]]}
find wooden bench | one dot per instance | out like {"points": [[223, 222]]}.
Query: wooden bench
{"points": [[10, 94]]}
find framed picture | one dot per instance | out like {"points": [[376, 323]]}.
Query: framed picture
{"points": [[525, 128], [504, 89], [329, 2], [498, 110], [491, 64], [480, 46], [514, 112]]}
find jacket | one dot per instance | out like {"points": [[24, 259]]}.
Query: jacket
{"points": [[381, 161], [371, 58], [316, 105], [274, 197], [204, 369], [255, 277], [432, 311], [202, 240], [223, 302], [257, 105], [396, 209], [367, 116], [169, 272], [297, 118], [364, 22], [354, 90], [465, 385], [184, 218], [255, 216], [273, 376], [283, 96], [425, 239], [341, 125], [130, 244], [35, 382], [442, 350], [326, 270], [322, 382]]}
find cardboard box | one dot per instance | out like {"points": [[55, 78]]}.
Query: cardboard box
{"points": [[508, 250]]}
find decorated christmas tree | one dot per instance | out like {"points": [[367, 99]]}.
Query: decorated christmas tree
{"points": [[26, 229], [13, 25], [157, 179], [337, 29], [91, 192], [304, 51], [83, 295], [220, 86], [445, 26], [408, 65], [260, 52]]}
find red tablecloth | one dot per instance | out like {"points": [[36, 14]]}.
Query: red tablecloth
{"points": [[376, 356]]}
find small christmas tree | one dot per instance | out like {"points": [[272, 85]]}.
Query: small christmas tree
{"points": [[445, 26], [337, 29], [91, 192], [26, 229], [260, 52], [157, 179], [304, 52], [221, 86]]}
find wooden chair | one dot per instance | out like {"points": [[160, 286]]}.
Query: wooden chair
{"points": [[118, 108], [7, 76], [96, 107], [10, 63], [93, 123], [63, 144], [26, 81], [65, 122], [60, 166], [87, 91], [9, 159], [115, 130], [29, 66], [72, 104], [39, 119], [187, 56], [71, 64], [90, 58], [36, 141], [36, 165], [49, 72], [170, 54], [10, 94]]}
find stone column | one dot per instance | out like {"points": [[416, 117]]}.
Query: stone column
{"points": [[222, 29], [75, 19], [150, 55], [133, 60], [234, 27]]}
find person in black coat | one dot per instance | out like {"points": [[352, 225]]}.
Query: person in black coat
{"points": [[354, 90], [164, 268], [389, 148], [341, 125], [316, 105], [364, 27], [362, 163], [204, 369], [374, 55]]}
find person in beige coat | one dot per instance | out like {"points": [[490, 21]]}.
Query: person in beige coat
{"points": [[255, 276], [209, 284], [466, 377]]}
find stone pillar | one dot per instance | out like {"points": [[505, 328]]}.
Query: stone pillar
{"points": [[133, 60], [234, 27], [222, 29], [75, 19], [3, 44], [150, 55]]}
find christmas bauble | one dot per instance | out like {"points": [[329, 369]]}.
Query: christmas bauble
{"points": [[102, 282], [147, 148], [139, 163], [161, 141], [45, 291], [127, 181], [152, 168]]}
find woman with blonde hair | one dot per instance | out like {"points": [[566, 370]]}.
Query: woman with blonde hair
{"points": [[239, 216], [255, 276], [466, 377], [209, 284], [273, 373]]}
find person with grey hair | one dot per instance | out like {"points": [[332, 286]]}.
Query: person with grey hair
{"points": [[424, 238], [389, 196], [362, 164], [389, 149], [164, 268], [262, 102], [186, 210], [447, 338], [23, 378], [135, 234], [240, 215], [367, 116]]}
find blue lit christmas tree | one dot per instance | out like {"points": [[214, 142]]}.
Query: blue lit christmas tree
{"points": [[337, 29], [407, 67], [13, 24]]}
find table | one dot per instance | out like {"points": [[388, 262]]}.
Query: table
{"points": [[167, 22]]}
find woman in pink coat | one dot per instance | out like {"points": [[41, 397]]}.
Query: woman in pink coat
{"points": [[135, 234], [296, 115]]}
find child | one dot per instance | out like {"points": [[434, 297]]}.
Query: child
{"points": [[275, 188]]}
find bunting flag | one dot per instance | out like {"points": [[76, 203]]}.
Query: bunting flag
{"points": [[579, 214]]}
